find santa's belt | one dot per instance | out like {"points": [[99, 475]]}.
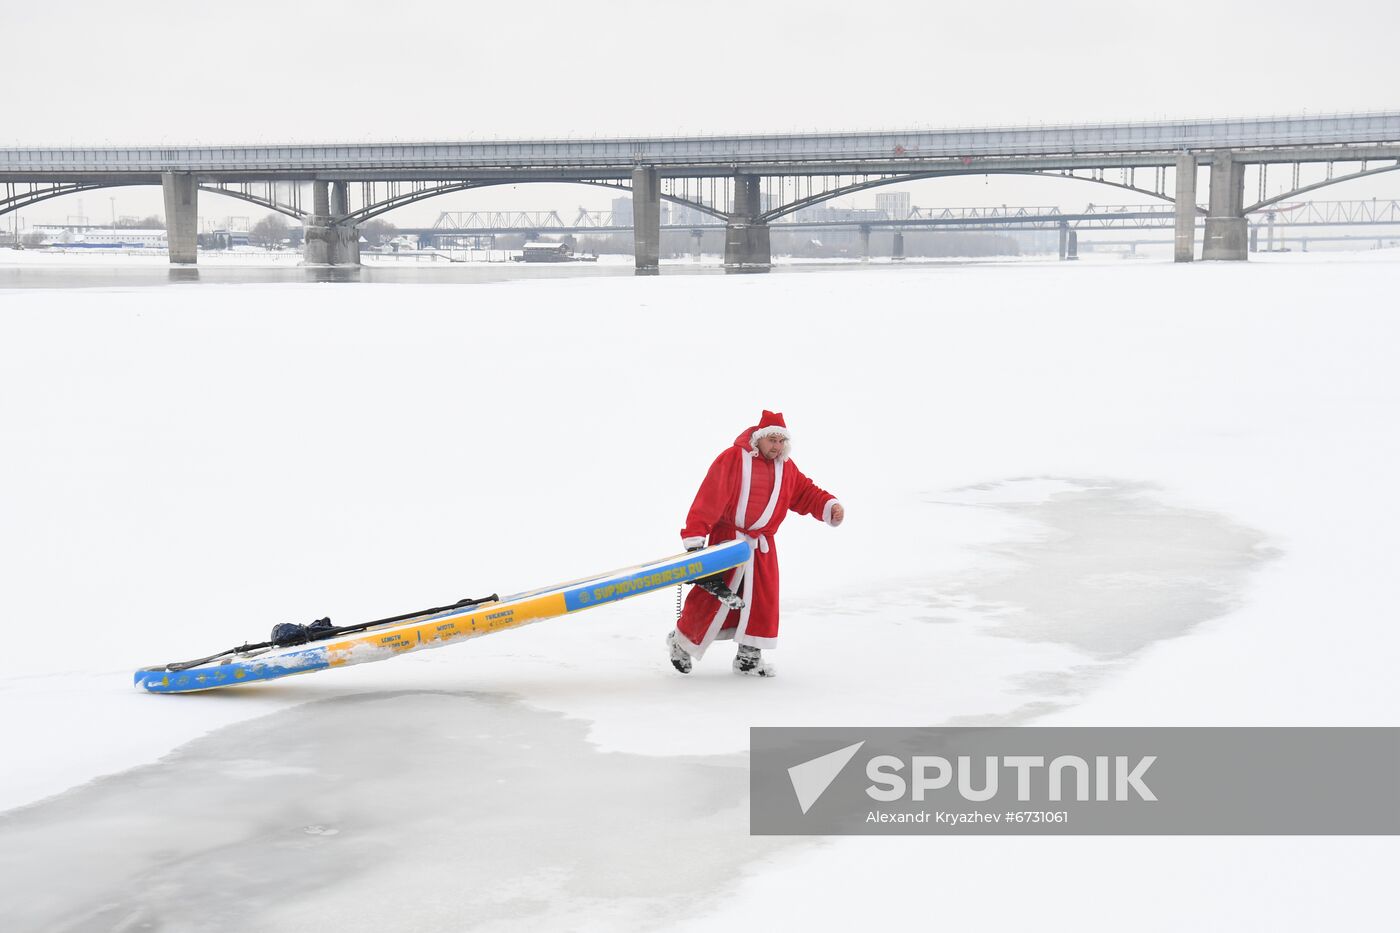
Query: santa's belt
{"points": [[760, 539]]}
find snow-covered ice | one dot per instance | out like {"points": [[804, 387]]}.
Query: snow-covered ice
{"points": [[1078, 494]]}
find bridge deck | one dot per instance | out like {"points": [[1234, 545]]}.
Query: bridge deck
{"points": [[1301, 138]]}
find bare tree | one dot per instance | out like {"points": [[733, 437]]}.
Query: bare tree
{"points": [[152, 222], [270, 231], [377, 232]]}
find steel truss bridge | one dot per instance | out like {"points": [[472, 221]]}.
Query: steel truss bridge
{"points": [[1372, 212], [748, 182], [586, 221]]}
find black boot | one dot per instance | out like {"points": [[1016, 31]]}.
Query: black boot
{"points": [[716, 588], [680, 658], [750, 661]]}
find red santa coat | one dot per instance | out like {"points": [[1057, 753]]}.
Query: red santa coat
{"points": [[745, 494]]}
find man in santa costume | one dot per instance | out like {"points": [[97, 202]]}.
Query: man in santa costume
{"points": [[747, 493]]}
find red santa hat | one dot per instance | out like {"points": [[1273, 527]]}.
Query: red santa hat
{"points": [[771, 424]]}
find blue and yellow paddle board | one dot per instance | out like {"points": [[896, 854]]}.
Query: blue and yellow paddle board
{"points": [[446, 626]]}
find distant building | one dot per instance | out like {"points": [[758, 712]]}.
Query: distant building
{"points": [[104, 238], [547, 252], [683, 215], [622, 212], [894, 204], [839, 237], [823, 214]]}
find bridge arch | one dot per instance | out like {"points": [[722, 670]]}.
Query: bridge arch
{"points": [[1267, 202], [269, 198], [271, 203], [700, 206], [395, 201], [31, 197], [791, 207]]}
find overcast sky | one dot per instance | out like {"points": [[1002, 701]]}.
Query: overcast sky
{"points": [[93, 73]]}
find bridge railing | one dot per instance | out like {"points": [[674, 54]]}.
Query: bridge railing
{"points": [[884, 146]]}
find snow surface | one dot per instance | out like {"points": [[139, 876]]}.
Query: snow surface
{"points": [[1077, 494]]}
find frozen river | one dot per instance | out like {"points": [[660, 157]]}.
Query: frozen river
{"points": [[145, 272], [1078, 494], [67, 271]]}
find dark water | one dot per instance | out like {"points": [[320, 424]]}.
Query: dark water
{"points": [[141, 276], [148, 275]]}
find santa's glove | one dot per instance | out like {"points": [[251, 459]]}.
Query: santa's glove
{"points": [[694, 544]]}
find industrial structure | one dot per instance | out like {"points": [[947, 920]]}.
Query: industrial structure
{"points": [[1265, 231], [745, 182]]}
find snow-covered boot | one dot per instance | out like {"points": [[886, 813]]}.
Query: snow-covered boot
{"points": [[716, 588], [680, 658], [750, 661]]}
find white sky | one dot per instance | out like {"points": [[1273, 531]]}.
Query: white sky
{"points": [[93, 73]]}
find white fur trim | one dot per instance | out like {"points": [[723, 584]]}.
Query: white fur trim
{"points": [[745, 485], [745, 475], [756, 641], [716, 632], [689, 543], [826, 512], [745, 572], [721, 613], [681, 642], [742, 631], [772, 500], [743, 625], [773, 431]]}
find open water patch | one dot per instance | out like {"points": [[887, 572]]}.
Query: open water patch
{"points": [[1109, 569], [1115, 568], [405, 810]]}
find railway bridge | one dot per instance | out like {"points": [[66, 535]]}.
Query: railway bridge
{"points": [[454, 226]]}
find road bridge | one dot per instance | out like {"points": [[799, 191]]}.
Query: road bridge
{"points": [[747, 182]]}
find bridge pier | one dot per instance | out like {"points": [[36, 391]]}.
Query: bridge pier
{"points": [[865, 242], [1226, 228], [646, 221], [1185, 249], [181, 216], [345, 245], [1072, 247], [1064, 240], [328, 240], [315, 249], [747, 247], [897, 252], [697, 239]]}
